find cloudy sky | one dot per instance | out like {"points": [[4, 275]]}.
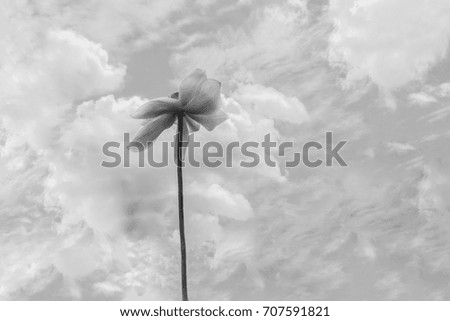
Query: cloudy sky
{"points": [[374, 72]]}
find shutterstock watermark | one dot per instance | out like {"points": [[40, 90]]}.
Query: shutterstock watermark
{"points": [[214, 154]]}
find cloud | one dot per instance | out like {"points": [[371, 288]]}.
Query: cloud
{"points": [[265, 49], [205, 199], [400, 148], [83, 189], [437, 115], [391, 42], [45, 71], [432, 189], [57, 70], [112, 23], [270, 103], [421, 98]]}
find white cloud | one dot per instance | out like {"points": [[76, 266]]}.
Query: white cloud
{"points": [[392, 42], [437, 115], [432, 190], [119, 25], [40, 85], [400, 148], [444, 89], [205, 199], [85, 191], [422, 99], [268, 48], [270, 103]]}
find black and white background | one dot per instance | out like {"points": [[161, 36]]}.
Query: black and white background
{"points": [[374, 72]]}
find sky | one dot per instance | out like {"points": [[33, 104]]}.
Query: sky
{"points": [[376, 73]]}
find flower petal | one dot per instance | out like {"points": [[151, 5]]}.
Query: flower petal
{"points": [[206, 99], [191, 123], [210, 121], [156, 107], [190, 85], [152, 129]]}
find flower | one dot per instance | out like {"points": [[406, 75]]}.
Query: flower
{"points": [[198, 101]]}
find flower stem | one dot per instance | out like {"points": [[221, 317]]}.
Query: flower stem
{"points": [[181, 209]]}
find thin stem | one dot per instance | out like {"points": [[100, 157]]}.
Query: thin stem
{"points": [[181, 208]]}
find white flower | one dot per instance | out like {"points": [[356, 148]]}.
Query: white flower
{"points": [[198, 101]]}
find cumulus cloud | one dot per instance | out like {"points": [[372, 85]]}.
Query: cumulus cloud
{"points": [[44, 72], [391, 42], [41, 85]]}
